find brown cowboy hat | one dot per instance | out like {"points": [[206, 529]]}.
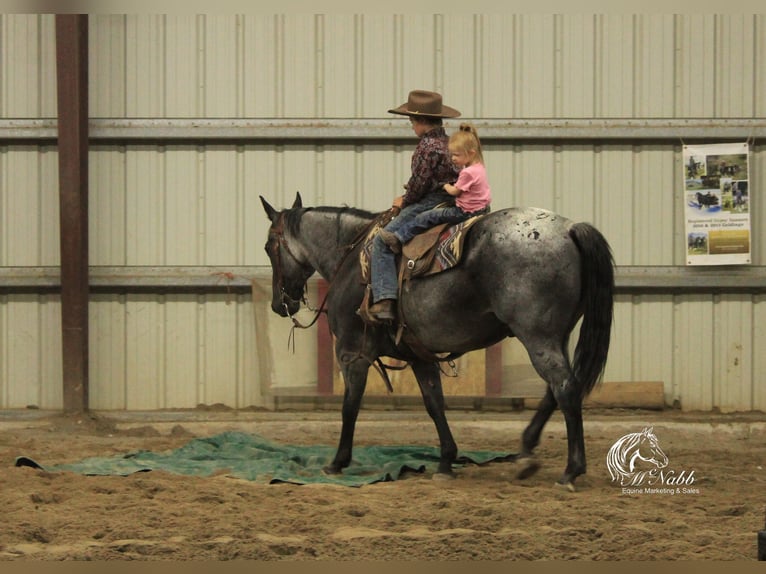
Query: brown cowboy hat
{"points": [[423, 103]]}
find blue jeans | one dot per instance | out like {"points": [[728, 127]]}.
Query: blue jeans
{"points": [[428, 219], [383, 264]]}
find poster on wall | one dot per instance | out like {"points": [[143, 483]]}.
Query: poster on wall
{"points": [[717, 204]]}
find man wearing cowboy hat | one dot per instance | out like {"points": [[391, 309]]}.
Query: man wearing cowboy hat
{"points": [[431, 169]]}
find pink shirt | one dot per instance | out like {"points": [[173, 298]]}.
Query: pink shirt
{"points": [[473, 183]]}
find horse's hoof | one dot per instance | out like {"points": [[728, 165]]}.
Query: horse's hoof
{"points": [[527, 467], [329, 469], [568, 486], [443, 476]]}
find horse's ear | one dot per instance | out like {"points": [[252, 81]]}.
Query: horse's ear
{"points": [[298, 201], [270, 211]]}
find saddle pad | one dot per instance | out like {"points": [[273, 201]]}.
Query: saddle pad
{"points": [[449, 249], [448, 245]]}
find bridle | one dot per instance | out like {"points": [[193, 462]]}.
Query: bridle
{"points": [[278, 231]]}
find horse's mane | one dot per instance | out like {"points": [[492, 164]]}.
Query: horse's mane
{"points": [[293, 217]]}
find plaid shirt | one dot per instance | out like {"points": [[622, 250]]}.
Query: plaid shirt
{"points": [[431, 166]]}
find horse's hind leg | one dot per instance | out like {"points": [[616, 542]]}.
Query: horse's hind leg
{"points": [[429, 381], [553, 366], [531, 436], [355, 381], [570, 402]]}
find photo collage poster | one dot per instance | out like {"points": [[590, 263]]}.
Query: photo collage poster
{"points": [[717, 204]]}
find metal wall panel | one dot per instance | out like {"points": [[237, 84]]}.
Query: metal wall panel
{"points": [[27, 65], [107, 79], [500, 65], [197, 204], [30, 351], [172, 351], [302, 65]]}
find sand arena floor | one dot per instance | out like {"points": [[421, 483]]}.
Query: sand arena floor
{"points": [[484, 514]]}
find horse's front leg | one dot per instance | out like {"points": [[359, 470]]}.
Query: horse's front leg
{"points": [[429, 381], [355, 380]]}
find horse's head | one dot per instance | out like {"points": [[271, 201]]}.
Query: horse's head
{"points": [[290, 271]]}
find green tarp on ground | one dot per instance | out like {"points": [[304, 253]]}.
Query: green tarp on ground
{"points": [[252, 457]]}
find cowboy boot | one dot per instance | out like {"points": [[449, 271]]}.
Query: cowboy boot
{"points": [[383, 311]]}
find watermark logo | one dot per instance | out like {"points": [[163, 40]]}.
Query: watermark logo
{"points": [[638, 464]]}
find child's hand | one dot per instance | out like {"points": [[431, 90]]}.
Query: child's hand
{"points": [[451, 189]]}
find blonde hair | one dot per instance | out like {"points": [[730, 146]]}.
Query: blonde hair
{"points": [[466, 139]]}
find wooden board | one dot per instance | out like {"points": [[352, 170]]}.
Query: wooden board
{"points": [[630, 394], [470, 380]]}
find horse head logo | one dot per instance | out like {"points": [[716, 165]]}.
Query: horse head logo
{"points": [[634, 455]]}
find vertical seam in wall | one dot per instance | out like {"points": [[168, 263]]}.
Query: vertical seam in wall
{"points": [[162, 401], [279, 65], [398, 57], [38, 95], [125, 84], [438, 79], [557, 71], [676, 65], [4, 22], [239, 58], [756, 71], [597, 64], [163, 96], [201, 324], [478, 69], [4, 384], [717, 61], [122, 300], [319, 65], [4, 205], [201, 76], [241, 204], [123, 151], [359, 56], [637, 94]]}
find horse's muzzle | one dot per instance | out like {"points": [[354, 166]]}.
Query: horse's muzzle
{"points": [[285, 306]]}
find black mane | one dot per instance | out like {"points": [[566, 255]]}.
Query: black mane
{"points": [[293, 217]]}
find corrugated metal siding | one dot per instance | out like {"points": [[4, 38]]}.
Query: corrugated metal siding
{"points": [[187, 205], [499, 65], [27, 64], [176, 204]]}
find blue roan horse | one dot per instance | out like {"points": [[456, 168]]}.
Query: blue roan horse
{"points": [[526, 273]]}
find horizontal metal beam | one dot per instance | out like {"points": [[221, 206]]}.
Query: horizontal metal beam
{"points": [[137, 278], [628, 279], [108, 130]]}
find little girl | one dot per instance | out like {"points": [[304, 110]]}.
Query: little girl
{"points": [[471, 191]]}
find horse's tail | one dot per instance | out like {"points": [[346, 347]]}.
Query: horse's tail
{"points": [[597, 299]]}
